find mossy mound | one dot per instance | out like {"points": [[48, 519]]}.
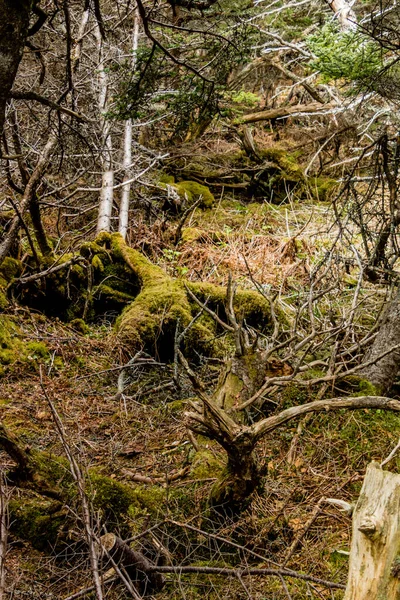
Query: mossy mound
{"points": [[110, 497], [270, 173], [39, 521], [150, 322], [14, 350], [99, 286], [194, 191], [183, 194]]}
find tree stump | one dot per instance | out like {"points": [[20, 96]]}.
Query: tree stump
{"points": [[137, 566], [374, 569]]}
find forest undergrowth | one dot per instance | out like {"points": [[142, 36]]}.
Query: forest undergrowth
{"points": [[148, 473]]}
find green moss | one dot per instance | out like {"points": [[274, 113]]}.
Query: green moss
{"points": [[37, 350], [142, 267], [97, 263], [293, 395], [248, 304], [354, 385], [10, 268], [3, 300], [206, 465], [153, 316], [175, 408], [286, 161], [157, 501], [323, 188], [80, 326], [164, 178], [111, 497], [38, 521], [55, 470], [11, 345], [192, 234], [152, 498], [111, 293], [193, 191], [91, 249]]}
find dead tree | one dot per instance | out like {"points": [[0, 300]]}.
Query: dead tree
{"points": [[257, 372], [374, 567]]}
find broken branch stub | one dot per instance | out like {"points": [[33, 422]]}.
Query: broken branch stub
{"points": [[374, 569], [139, 568]]}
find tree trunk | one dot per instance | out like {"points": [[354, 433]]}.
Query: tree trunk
{"points": [[240, 379], [29, 191], [241, 477], [124, 205], [374, 570], [383, 372], [14, 23], [107, 186]]}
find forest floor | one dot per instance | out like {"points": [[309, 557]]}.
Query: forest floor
{"points": [[139, 438]]}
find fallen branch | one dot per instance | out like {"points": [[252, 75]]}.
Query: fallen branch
{"points": [[248, 571], [284, 111], [266, 425], [50, 270], [141, 571]]}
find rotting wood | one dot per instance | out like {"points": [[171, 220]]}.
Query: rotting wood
{"points": [[374, 569], [138, 567], [285, 111]]}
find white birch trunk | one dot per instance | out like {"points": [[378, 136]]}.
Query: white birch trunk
{"points": [[107, 186], [126, 188], [374, 570], [77, 51], [345, 14]]}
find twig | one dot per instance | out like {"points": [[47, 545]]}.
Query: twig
{"points": [[50, 270], [248, 571], [392, 454], [80, 482], [316, 511], [4, 496]]}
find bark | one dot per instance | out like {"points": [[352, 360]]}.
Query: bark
{"points": [[383, 372], [374, 567], [240, 379], [285, 111], [107, 186], [40, 234], [242, 476], [124, 205], [344, 13], [14, 24], [137, 566], [29, 192]]}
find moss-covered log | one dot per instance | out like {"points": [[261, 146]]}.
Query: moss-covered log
{"points": [[150, 321], [113, 279]]}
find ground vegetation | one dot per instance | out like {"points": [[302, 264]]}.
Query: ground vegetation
{"points": [[199, 333]]}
